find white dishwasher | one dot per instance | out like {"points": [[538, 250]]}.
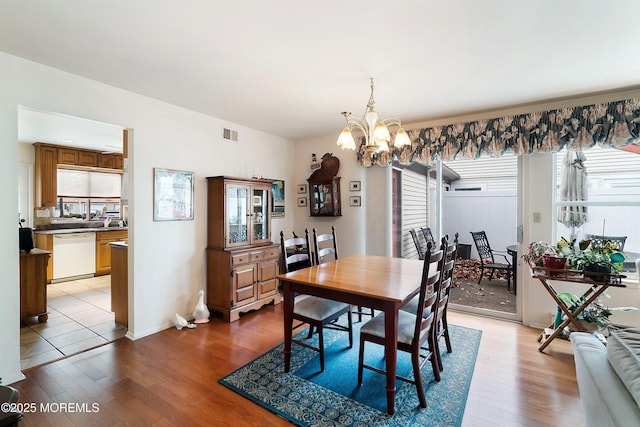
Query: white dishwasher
{"points": [[74, 254]]}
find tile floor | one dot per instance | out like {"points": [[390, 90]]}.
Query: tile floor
{"points": [[80, 318]]}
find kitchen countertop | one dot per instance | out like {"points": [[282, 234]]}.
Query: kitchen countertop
{"points": [[79, 230]]}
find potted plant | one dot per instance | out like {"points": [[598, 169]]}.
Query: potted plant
{"points": [[537, 251], [594, 317], [601, 258]]}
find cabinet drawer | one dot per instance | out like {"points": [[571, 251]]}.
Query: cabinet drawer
{"points": [[257, 256], [271, 253], [237, 259]]}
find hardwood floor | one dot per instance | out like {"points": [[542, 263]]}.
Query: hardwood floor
{"points": [[171, 378]]}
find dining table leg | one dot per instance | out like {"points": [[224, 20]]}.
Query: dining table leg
{"points": [[390, 352], [288, 324]]}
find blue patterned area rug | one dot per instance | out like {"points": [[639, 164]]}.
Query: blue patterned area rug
{"points": [[307, 397]]}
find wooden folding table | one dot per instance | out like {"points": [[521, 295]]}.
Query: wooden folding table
{"points": [[597, 283]]}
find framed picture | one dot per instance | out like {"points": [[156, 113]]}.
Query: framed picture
{"points": [[277, 195], [172, 195], [354, 185], [302, 188], [355, 201], [302, 201], [257, 200]]}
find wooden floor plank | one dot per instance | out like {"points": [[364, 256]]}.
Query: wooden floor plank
{"points": [[171, 378]]}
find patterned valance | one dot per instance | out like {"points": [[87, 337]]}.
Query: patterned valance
{"points": [[614, 124]]}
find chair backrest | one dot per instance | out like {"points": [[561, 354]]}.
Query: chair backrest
{"points": [[482, 245], [296, 252], [416, 242], [446, 275], [322, 249], [428, 236], [428, 295], [598, 238]]}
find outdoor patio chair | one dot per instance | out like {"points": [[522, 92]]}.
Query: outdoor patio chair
{"points": [[415, 331], [598, 238], [316, 312], [428, 236], [331, 250], [416, 242], [487, 257]]}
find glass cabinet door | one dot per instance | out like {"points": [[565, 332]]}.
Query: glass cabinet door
{"points": [[237, 215], [260, 217]]}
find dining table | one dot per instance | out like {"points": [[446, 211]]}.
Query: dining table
{"points": [[382, 283]]}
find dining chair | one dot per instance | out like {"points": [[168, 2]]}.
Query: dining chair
{"points": [[441, 326], [318, 313], [323, 250], [416, 241], [415, 332], [487, 257]]}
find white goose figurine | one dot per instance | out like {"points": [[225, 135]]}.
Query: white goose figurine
{"points": [[201, 313], [181, 322]]}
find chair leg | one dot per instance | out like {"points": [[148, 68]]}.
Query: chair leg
{"points": [[437, 353], [417, 377], [481, 273], [321, 346], [350, 320], [434, 361], [310, 334], [491, 275], [445, 328], [360, 361]]}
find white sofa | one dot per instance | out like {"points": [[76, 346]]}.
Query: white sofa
{"points": [[609, 377]]}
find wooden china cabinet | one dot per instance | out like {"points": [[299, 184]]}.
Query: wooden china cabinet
{"points": [[242, 261]]}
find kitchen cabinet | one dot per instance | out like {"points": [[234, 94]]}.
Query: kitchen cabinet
{"points": [[45, 242], [33, 284], [88, 158], [103, 252], [107, 161], [119, 282], [46, 170], [242, 261], [67, 156]]}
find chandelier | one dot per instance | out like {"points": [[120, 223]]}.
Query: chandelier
{"points": [[374, 128]]}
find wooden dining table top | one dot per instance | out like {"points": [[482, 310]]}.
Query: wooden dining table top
{"points": [[379, 277]]}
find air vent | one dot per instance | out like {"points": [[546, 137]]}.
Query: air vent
{"points": [[229, 135]]}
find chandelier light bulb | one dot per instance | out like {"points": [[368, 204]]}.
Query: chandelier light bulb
{"points": [[401, 138]]}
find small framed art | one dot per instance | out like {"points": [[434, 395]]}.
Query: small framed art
{"points": [[302, 201], [302, 188], [355, 201], [172, 195], [354, 185]]}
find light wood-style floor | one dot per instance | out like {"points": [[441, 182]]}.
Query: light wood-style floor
{"points": [[171, 378]]}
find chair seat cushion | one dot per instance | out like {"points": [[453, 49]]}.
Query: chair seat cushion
{"points": [[623, 353], [317, 308], [406, 326]]}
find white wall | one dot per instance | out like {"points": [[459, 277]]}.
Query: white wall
{"points": [[350, 226], [166, 259]]}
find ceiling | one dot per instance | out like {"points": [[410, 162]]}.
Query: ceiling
{"points": [[289, 67]]}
